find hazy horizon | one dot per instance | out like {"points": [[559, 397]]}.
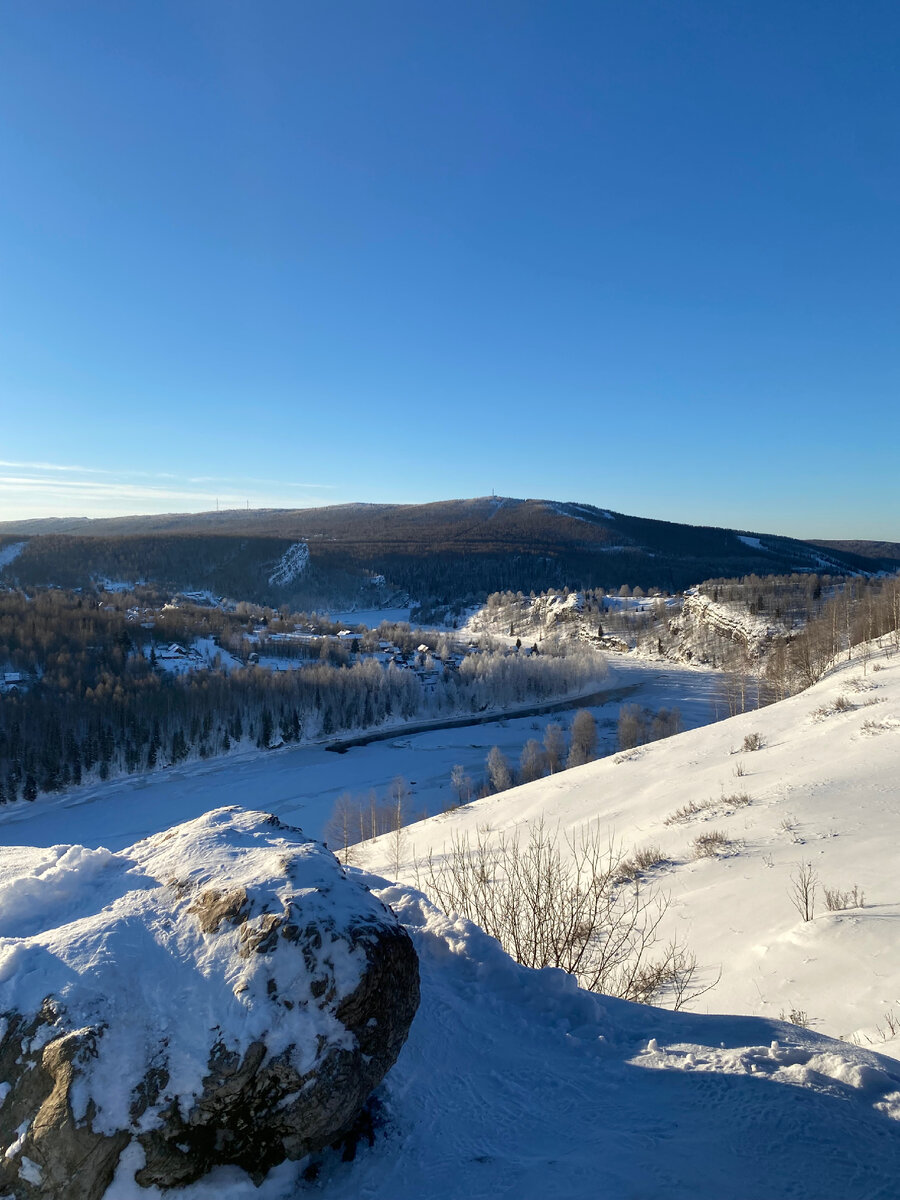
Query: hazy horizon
{"points": [[221, 508]]}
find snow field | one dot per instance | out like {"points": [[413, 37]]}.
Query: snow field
{"points": [[823, 790]]}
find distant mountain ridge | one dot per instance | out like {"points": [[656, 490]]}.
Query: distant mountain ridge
{"points": [[879, 550], [443, 551]]}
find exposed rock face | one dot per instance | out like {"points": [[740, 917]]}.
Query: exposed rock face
{"points": [[705, 632], [220, 993]]}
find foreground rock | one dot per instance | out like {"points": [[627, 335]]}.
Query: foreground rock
{"points": [[219, 993]]}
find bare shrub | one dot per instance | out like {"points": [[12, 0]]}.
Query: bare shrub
{"points": [[739, 769], [870, 726], [687, 812], [839, 704], [797, 1016], [643, 859], [553, 903], [891, 1026], [804, 882], [752, 741], [712, 844], [648, 856], [790, 826], [861, 685], [721, 806], [836, 900], [737, 799]]}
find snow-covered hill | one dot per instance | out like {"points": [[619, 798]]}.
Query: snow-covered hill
{"points": [[516, 1083], [823, 789]]}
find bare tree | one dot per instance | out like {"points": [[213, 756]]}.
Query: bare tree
{"points": [[631, 729], [461, 782], [804, 882], [340, 830], [583, 746], [399, 794], [666, 722]]}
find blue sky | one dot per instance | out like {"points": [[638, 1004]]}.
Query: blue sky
{"points": [[643, 255]]}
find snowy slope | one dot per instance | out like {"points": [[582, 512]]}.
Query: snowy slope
{"points": [[824, 789], [292, 563], [516, 1084], [11, 552]]}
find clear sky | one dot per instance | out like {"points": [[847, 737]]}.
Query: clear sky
{"points": [[293, 252]]}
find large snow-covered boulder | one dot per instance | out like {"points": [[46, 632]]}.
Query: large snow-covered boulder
{"points": [[218, 993]]}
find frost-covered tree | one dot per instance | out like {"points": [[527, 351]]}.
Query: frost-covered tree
{"points": [[631, 727], [532, 761], [554, 746], [498, 770], [583, 746], [461, 782]]}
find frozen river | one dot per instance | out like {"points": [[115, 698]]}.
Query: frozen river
{"points": [[301, 784]]}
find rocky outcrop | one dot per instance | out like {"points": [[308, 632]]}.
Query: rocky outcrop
{"points": [[220, 993], [710, 632]]}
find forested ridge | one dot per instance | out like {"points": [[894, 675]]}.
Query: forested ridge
{"points": [[445, 553]]}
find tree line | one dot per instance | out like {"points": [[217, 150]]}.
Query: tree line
{"points": [[91, 701], [361, 818]]}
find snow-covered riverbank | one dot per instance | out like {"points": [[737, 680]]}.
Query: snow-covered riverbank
{"points": [[301, 784]]}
